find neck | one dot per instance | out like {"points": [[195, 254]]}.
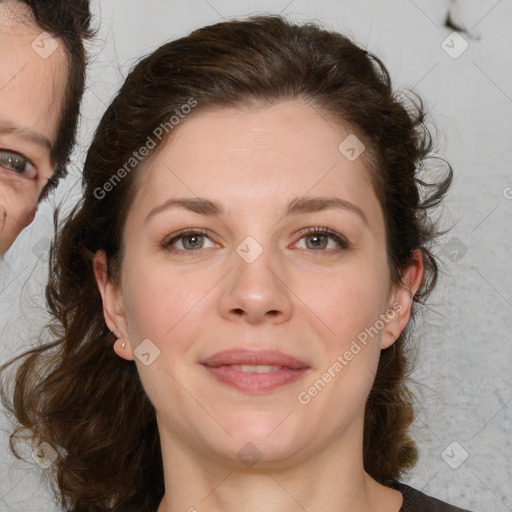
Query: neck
{"points": [[197, 483]]}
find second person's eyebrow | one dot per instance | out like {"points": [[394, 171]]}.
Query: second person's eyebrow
{"points": [[26, 134]]}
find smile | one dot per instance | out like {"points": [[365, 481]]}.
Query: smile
{"points": [[260, 368], [255, 379]]}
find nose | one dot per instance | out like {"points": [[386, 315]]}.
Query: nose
{"points": [[256, 292]]}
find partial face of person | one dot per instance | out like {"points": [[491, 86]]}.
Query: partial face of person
{"points": [[32, 86], [252, 231]]}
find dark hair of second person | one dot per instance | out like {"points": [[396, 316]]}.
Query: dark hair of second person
{"points": [[69, 21]]}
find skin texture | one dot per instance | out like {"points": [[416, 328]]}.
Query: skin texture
{"points": [[295, 298], [31, 98]]}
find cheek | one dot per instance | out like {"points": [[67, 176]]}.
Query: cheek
{"points": [[347, 300], [16, 213], [19, 203], [350, 305], [163, 302], [169, 308]]}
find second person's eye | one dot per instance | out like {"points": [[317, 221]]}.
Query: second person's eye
{"points": [[17, 163]]}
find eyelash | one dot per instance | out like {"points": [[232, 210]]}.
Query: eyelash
{"points": [[27, 162], [339, 239]]}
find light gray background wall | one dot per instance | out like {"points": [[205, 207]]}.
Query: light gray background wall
{"points": [[463, 373]]}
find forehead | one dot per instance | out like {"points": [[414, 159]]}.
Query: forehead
{"points": [[258, 160], [33, 73]]}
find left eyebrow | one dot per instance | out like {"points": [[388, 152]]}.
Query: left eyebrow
{"points": [[25, 133], [317, 204]]}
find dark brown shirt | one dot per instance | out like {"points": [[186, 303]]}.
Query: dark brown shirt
{"points": [[416, 501]]}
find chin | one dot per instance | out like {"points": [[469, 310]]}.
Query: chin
{"points": [[264, 432]]}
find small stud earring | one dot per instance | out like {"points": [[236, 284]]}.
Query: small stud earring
{"points": [[123, 344]]}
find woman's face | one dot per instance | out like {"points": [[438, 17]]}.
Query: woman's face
{"points": [[252, 275], [32, 86]]}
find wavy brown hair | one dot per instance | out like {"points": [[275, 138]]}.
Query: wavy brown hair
{"points": [[73, 391]]}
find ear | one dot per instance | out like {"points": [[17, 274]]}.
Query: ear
{"points": [[113, 304], [401, 298]]}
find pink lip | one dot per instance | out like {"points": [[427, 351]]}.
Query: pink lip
{"points": [[291, 369], [252, 357]]}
